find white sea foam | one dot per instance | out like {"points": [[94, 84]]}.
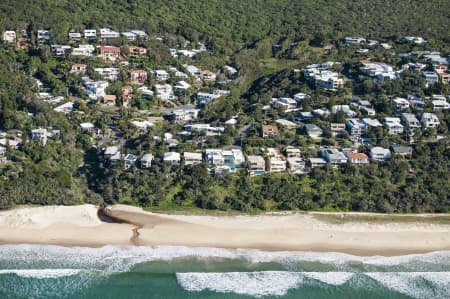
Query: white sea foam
{"points": [[332, 278], [41, 273], [122, 258], [255, 284], [263, 283], [416, 284]]}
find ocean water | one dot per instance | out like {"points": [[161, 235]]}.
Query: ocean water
{"points": [[37, 271]]}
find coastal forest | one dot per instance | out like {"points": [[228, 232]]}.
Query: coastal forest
{"points": [[70, 170]]}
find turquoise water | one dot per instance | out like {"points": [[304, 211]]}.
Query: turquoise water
{"points": [[35, 271]]}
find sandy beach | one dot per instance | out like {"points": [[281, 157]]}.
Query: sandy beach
{"points": [[80, 226]]}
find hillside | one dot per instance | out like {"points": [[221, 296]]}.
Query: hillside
{"points": [[230, 25]]}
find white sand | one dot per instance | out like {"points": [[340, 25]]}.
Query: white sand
{"points": [[80, 226]]}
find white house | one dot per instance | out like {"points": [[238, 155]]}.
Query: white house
{"points": [[380, 154], [192, 158], [205, 98], [83, 50], [400, 104], [9, 37], [96, 89], [334, 157], [411, 122], [130, 160], [285, 103], [184, 115], [430, 120], [43, 34], [173, 158], [108, 73], [161, 75], [394, 125], [108, 33], [431, 78], [90, 33], [164, 91], [349, 40]]}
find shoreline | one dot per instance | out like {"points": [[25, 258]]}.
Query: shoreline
{"points": [[80, 226]]}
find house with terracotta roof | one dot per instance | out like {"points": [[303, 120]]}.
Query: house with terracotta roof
{"points": [[78, 68], [136, 51], [109, 100], [109, 53], [138, 76], [357, 158], [269, 131], [127, 95]]}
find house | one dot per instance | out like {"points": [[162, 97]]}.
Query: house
{"points": [[431, 78], [108, 73], [357, 158], [110, 151], [76, 36], [210, 130], [256, 165], [208, 76], [445, 78], [129, 35], [173, 158], [108, 33], [275, 162], [394, 125], [354, 127], [90, 33], [64, 108], [380, 154], [369, 111], [411, 123], [115, 159], [146, 93], [138, 76], [40, 135], [182, 87], [430, 120], [164, 91], [136, 51], [300, 97], [127, 95], [204, 98], [402, 150], [9, 37], [192, 158], [344, 108], [87, 127], [400, 104], [43, 35], [110, 53], [370, 123], [287, 124], [146, 161], [269, 131], [316, 162], [337, 128], [285, 103], [130, 161], [95, 89], [354, 40], [184, 115], [296, 165], [109, 99], [61, 50], [83, 50], [140, 34], [161, 75], [292, 152], [313, 130], [78, 68], [334, 157], [329, 80], [440, 105], [304, 116], [416, 101]]}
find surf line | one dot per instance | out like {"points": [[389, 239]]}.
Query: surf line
{"points": [[106, 215]]}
